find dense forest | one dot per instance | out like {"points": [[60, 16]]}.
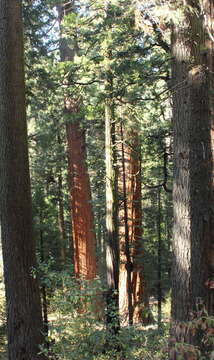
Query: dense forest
{"points": [[106, 180]]}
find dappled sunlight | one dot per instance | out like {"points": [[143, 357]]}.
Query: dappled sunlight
{"points": [[120, 95]]}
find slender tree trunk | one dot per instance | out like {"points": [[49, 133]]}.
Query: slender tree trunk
{"points": [[112, 251], [61, 217], [100, 236], [112, 243], [61, 220], [43, 287], [159, 287], [192, 193], [129, 264], [24, 315]]}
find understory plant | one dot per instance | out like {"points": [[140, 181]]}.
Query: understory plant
{"points": [[76, 330]]}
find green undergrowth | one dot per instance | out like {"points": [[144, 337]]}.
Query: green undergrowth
{"points": [[77, 329], [75, 341]]}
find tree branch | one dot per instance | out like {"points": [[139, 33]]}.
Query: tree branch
{"points": [[165, 176], [161, 42]]}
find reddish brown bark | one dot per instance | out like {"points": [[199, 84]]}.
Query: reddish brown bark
{"points": [[134, 210], [83, 232], [82, 215]]}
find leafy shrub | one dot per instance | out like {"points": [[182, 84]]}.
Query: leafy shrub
{"points": [[77, 333]]}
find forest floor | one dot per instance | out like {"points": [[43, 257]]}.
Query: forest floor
{"points": [[146, 340]]}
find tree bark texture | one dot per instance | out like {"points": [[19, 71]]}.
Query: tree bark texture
{"points": [[112, 250], [83, 231], [126, 241], [24, 315], [193, 192], [208, 27], [82, 215], [134, 216], [112, 243]]}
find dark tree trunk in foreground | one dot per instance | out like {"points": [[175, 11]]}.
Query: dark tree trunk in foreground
{"points": [[208, 10], [193, 192], [24, 316]]}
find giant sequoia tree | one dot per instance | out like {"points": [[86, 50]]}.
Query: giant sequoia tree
{"points": [[132, 282], [24, 319], [82, 213], [193, 193]]}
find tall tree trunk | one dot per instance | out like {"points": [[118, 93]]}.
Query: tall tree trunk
{"points": [[43, 287], [140, 288], [61, 217], [208, 26], [61, 220], [192, 193], [100, 236], [112, 243], [208, 11], [24, 315], [128, 264], [112, 251], [82, 214], [132, 163], [159, 235]]}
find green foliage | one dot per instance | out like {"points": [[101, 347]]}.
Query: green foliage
{"points": [[75, 330], [75, 333], [139, 70]]}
